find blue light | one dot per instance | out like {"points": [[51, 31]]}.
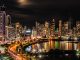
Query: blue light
{"points": [[28, 49]]}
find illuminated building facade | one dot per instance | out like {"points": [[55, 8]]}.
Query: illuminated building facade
{"points": [[60, 28], [78, 27], [18, 28], [10, 33], [52, 28], [9, 30], [46, 29], [65, 28], [34, 34], [2, 24]]}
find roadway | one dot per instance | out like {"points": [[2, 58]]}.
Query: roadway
{"points": [[14, 54]]}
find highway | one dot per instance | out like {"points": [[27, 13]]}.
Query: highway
{"points": [[14, 54]]}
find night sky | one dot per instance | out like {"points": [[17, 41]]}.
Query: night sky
{"points": [[41, 10]]}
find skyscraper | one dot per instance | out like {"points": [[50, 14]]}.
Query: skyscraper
{"points": [[18, 30], [47, 29], [65, 28], [60, 28], [10, 32], [52, 27], [2, 23], [78, 27]]}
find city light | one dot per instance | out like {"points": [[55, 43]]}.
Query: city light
{"points": [[23, 2], [40, 56], [66, 54], [75, 38], [40, 50], [40, 39], [34, 50]]}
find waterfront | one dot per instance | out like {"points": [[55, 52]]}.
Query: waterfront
{"points": [[39, 30]]}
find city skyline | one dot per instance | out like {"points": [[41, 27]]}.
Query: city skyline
{"points": [[39, 30]]}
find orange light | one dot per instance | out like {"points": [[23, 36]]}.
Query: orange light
{"points": [[23, 2]]}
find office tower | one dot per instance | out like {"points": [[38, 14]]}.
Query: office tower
{"points": [[66, 25], [52, 34], [10, 33], [18, 30], [34, 33], [74, 32], [57, 34], [9, 30], [8, 20], [43, 30], [2, 24], [7, 25], [17, 25], [78, 27], [60, 28], [24, 29], [46, 29], [37, 27], [52, 28], [65, 28], [40, 28], [78, 24]]}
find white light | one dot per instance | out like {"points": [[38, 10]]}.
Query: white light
{"points": [[34, 56], [67, 37], [33, 50], [66, 54], [77, 54], [40, 50], [28, 31], [75, 38], [40, 56], [77, 50]]}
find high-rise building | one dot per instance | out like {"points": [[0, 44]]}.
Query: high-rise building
{"points": [[10, 33], [52, 27], [65, 28], [37, 27], [34, 33], [2, 24], [78, 27], [18, 29], [46, 29], [60, 28], [9, 30], [8, 20]]}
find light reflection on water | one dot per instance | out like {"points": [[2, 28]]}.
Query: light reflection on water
{"points": [[46, 46], [39, 48]]}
